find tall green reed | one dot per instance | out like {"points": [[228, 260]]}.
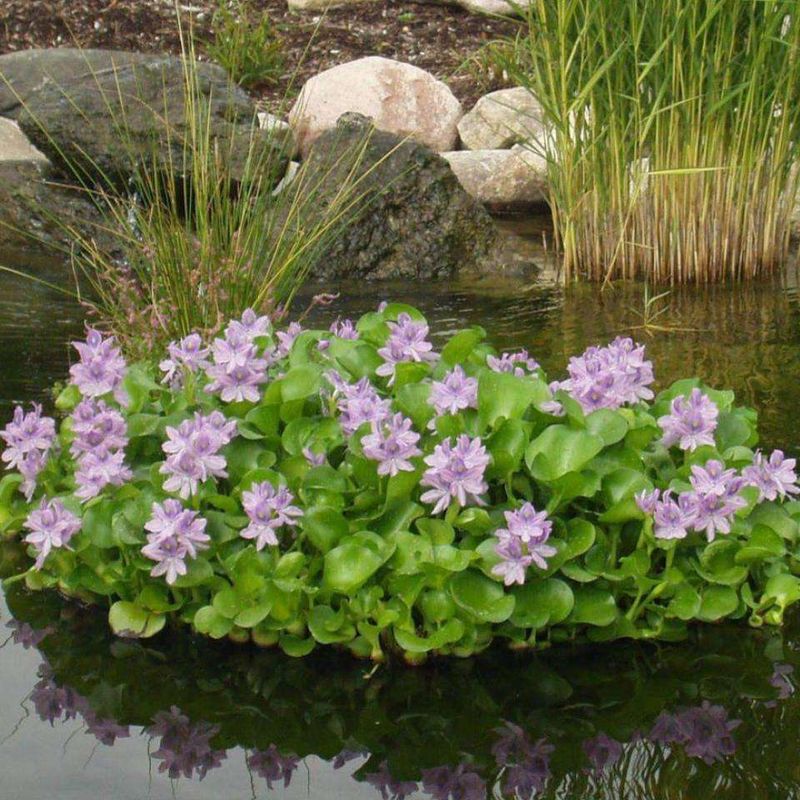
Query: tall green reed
{"points": [[673, 133]]}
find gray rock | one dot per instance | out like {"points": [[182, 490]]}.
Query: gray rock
{"points": [[412, 220], [14, 145], [503, 180], [491, 7], [25, 72], [38, 213], [101, 127], [502, 119], [322, 5], [400, 98]]}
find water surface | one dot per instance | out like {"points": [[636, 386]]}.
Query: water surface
{"points": [[83, 715]]}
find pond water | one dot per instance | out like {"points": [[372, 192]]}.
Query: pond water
{"points": [[83, 715]]}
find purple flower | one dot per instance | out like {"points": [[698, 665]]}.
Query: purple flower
{"points": [[454, 393], [98, 470], [714, 512], [249, 327], [446, 783], [602, 752], [270, 765], [187, 355], [101, 368], [184, 746], [392, 443], [238, 371], [314, 459], [51, 526], [648, 501], [456, 473], [691, 422], [519, 364], [344, 329], [193, 452], [673, 518], [389, 788], [774, 477], [608, 377], [286, 339], [407, 342], [97, 428], [29, 438], [358, 403], [175, 534], [713, 478], [268, 509], [523, 543]]}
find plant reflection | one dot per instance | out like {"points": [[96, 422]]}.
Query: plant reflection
{"points": [[714, 714]]}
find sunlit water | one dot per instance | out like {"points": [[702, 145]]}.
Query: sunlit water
{"points": [[716, 716]]}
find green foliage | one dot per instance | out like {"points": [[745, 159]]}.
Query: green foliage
{"points": [[370, 567], [246, 43]]}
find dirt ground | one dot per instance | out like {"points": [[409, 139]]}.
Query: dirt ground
{"points": [[440, 39]]}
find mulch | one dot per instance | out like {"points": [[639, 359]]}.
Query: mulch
{"points": [[441, 39]]}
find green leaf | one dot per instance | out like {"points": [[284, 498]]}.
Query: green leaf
{"points": [[68, 398], [324, 527], [610, 426], [296, 647], [502, 395], [460, 346], [209, 621], [717, 602], [450, 632], [251, 616], [349, 566], [199, 571], [301, 382], [685, 604], [559, 450], [542, 603], [131, 620], [593, 606], [482, 598]]}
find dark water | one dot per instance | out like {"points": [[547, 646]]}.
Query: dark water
{"points": [[715, 716]]}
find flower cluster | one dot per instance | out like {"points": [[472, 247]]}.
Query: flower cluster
{"points": [[448, 783], [392, 443], [708, 508], [519, 364], [268, 509], [186, 356], [98, 446], [358, 403], [29, 439], [184, 747], [176, 533], [454, 393], [193, 452], [408, 341], [344, 329], [522, 543], [101, 368], [51, 526], [774, 477], [609, 377], [238, 371], [455, 473], [691, 422]]}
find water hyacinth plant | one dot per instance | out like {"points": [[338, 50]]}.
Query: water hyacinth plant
{"points": [[673, 133], [353, 486]]}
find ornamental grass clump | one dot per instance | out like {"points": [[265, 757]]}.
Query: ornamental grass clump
{"points": [[672, 133], [356, 487]]}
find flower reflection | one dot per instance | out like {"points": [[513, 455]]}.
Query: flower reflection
{"points": [[602, 752], [389, 788], [185, 747], [270, 765], [461, 783], [23, 634], [526, 763], [704, 731]]}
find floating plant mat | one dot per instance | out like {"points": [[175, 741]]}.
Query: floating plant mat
{"points": [[716, 714], [354, 487]]}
